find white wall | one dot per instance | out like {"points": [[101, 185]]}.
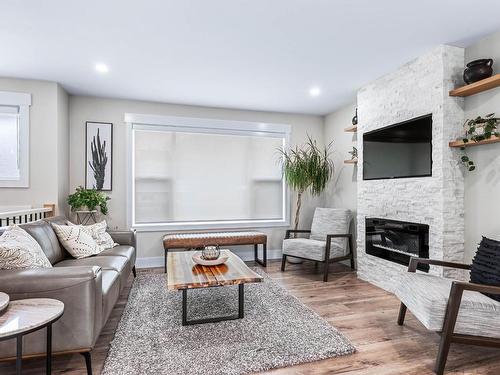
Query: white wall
{"points": [[48, 145], [482, 186], [342, 190], [84, 109]]}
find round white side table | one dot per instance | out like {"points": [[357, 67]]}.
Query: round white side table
{"points": [[24, 316]]}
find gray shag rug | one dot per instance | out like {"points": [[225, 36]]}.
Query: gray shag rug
{"points": [[277, 331]]}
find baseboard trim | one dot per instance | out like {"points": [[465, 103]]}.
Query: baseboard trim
{"points": [[246, 255]]}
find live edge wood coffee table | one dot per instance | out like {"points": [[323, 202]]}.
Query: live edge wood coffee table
{"points": [[183, 274]]}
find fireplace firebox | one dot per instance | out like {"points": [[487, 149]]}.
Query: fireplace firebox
{"points": [[397, 241]]}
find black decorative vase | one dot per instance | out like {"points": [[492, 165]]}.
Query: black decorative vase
{"points": [[477, 70], [355, 118]]}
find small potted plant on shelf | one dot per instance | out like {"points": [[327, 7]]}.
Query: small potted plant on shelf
{"points": [[88, 200], [476, 130]]}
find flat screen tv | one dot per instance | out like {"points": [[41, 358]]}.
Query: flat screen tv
{"points": [[399, 151]]}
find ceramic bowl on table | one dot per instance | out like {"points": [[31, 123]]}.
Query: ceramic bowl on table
{"points": [[199, 259]]}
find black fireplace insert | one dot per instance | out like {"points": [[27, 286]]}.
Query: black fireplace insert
{"points": [[397, 241]]}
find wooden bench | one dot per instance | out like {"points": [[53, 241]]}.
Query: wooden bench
{"points": [[189, 241]]}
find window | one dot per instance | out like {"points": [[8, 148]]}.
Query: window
{"points": [[199, 173], [14, 139]]}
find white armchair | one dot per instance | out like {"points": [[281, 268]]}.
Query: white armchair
{"points": [[329, 240]]}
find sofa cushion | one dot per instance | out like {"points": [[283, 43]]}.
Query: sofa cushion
{"points": [[121, 250], [77, 241], [310, 249], [114, 263], [18, 250], [43, 233], [426, 296], [98, 233], [110, 292]]}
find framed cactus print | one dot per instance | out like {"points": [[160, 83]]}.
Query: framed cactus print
{"points": [[99, 155]]}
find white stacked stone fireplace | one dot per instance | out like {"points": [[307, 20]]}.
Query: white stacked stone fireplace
{"points": [[418, 88]]}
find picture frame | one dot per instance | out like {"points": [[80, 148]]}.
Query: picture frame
{"points": [[99, 155]]}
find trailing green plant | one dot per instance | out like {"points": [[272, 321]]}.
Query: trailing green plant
{"points": [[90, 198], [306, 168], [476, 130]]}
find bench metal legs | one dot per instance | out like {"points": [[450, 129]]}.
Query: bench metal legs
{"points": [[262, 262]]}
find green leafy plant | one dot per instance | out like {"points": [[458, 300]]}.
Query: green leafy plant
{"points": [[306, 168], [90, 198], [476, 130]]}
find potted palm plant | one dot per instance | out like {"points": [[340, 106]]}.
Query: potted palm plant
{"points": [[306, 169]]}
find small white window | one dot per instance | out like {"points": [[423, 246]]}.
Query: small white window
{"points": [[14, 139]]}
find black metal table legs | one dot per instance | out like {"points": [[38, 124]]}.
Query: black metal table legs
{"points": [[19, 351], [241, 308]]}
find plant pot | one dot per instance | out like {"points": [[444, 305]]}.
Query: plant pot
{"points": [[477, 70]]}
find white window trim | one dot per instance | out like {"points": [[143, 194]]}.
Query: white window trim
{"points": [[23, 102], [200, 125]]}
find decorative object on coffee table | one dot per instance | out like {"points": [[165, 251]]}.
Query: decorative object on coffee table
{"points": [[99, 155], [184, 274], [210, 252], [28, 315], [477, 70], [4, 301], [199, 259]]}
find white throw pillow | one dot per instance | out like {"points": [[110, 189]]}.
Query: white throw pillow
{"points": [[77, 241], [99, 234], [19, 250]]}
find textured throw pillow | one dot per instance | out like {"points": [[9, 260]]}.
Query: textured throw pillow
{"points": [[77, 241], [485, 267], [99, 234], [19, 250]]}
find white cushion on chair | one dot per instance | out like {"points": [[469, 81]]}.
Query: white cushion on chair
{"points": [[331, 221], [310, 249], [426, 296]]}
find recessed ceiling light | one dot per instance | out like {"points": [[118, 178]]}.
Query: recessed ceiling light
{"points": [[314, 91], [101, 68]]}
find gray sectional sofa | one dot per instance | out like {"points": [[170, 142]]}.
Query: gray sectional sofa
{"points": [[89, 288]]}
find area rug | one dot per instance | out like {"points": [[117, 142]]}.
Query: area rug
{"points": [[277, 331]]}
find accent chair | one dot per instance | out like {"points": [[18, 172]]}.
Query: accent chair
{"points": [[329, 240], [456, 309]]}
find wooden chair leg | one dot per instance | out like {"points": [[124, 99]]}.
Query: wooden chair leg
{"points": [[402, 313], [450, 319], [325, 271], [283, 263], [134, 271], [351, 249]]}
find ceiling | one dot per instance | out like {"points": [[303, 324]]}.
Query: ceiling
{"points": [[248, 54]]}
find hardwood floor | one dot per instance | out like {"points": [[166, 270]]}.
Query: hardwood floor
{"points": [[362, 312]]}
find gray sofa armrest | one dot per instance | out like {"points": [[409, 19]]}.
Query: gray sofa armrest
{"points": [[79, 288], [124, 237]]}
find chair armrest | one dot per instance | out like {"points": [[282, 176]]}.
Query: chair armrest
{"points": [[124, 237], [414, 262], [288, 231], [330, 236], [483, 288]]}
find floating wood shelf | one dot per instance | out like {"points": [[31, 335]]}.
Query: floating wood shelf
{"points": [[477, 87], [352, 129], [493, 139], [352, 161]]}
